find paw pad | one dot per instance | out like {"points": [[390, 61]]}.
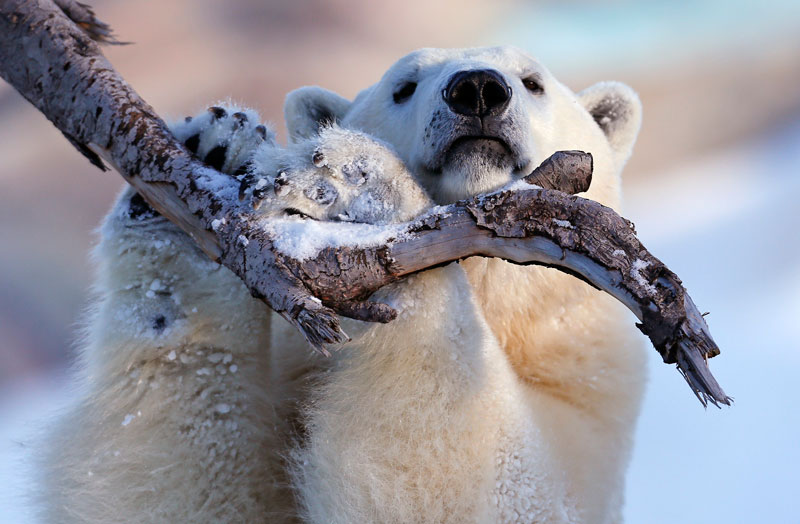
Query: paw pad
{"points": [[224, 137], [139, 209], [192, 143], [216, 157]]}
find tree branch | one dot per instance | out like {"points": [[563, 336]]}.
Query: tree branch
{"points": [[60, 69]]}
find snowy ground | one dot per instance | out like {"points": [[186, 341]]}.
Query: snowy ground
{"points": [[728, 226]]}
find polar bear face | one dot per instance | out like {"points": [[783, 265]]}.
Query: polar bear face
{"points": [[467, 121]]}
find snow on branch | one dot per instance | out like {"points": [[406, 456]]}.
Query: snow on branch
{"points": [[49, 53]]}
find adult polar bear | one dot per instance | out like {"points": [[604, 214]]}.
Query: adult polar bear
{"points": [[501, 393]]}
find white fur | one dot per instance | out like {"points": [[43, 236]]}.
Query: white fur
{"points": [[500, 394], [176, 424]]}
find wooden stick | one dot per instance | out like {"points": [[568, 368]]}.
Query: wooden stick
{"points": [[55, 64]]}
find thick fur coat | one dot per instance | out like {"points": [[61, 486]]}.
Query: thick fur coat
{"points": [[500, 394]]}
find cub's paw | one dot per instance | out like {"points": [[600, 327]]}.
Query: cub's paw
{"points": [[340, 175], [225, 137]]}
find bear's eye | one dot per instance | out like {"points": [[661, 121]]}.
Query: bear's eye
{"points": [[533, 85], [404, 92]]}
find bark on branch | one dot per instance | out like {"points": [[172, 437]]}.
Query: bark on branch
{"points": [[49, 54]]}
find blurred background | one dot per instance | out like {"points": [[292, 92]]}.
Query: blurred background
{"points": [[711, 186]]}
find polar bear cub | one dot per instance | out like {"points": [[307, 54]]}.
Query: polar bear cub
{"points": [[499, 394]]}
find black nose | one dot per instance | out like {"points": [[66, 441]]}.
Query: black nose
{"points": [[479, 93]]}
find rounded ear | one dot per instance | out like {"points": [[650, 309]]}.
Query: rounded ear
{"points": [[309, 108], [618, 111]]}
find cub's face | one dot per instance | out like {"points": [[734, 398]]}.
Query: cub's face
{"points": [[467, 121]]}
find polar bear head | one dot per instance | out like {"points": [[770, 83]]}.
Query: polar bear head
{"points": [[467, 121]]}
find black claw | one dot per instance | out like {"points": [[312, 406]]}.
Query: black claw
{"points": [[218, 112], [192, 143], [278, 186], [242, 169], [245, 184], [187, 119], [262, 131], [216, 157], [241, 118], [259, 194]]}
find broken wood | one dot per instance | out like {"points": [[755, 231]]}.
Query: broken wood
{"points": [[59, 68]]}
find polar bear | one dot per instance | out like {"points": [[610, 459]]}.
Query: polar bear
{"points": [[499, 394]]}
